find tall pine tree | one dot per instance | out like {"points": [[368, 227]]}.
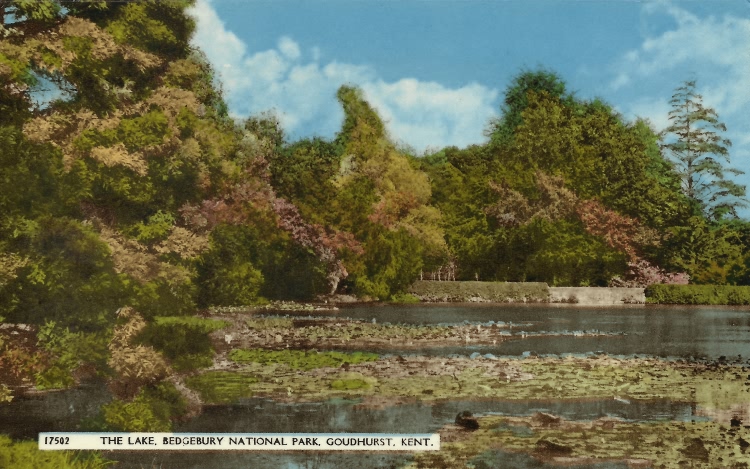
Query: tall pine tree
{"points": [[700, 153]]}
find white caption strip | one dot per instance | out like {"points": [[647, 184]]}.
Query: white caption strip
{"points": [[239, 441]]}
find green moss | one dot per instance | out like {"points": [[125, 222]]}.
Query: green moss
{"points": [[349, 384], [299, 359]]}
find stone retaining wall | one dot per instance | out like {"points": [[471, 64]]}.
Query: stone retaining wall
{"points": [[597, 295]]}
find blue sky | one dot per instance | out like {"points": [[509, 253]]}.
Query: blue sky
{"points": [[436, 70]]}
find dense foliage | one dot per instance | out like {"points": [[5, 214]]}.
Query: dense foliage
{"points": [[698, 294]]}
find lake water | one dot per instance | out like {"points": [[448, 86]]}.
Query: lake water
{"points": [[644, 330], [664, 331]]}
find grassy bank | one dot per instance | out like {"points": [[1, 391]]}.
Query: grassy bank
{"points": [[498, 292]]}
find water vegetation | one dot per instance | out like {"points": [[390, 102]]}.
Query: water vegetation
{"points": [[355, 334], [300, 359], [434, 378]]}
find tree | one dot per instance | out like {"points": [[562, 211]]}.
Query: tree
{"points": [[697, 149], [517, 100]]}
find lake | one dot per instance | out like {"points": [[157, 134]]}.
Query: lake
{"points": [[664, 331], [680, 332]]}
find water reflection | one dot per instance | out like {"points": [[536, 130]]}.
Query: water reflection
{"points": [[58, 411]]}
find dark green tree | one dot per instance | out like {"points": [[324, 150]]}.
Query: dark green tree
{"points": [[700, 153]]}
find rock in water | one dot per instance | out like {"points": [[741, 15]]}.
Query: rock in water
{"points": [[696, 450], [466, 420], [545, 420]]}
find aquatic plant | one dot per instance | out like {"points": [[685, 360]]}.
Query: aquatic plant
{"points": [[299, 359], [218, 387]]}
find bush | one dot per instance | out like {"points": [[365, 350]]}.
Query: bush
{"points": [[152, 410], [134, 365], [26, 455], [404, 298], [69, 278], [69, 351], [698, 294], [160, 297], [184, 340]]}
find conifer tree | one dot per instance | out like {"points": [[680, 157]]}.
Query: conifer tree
{"points": [[700, 154]]}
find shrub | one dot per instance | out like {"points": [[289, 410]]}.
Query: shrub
{"points": [[404, 298], [70, 278], [19, 364], [68, 351], [134, 365], [5, 394], [184, 340], [152, 410], [26, 455], [642, 273], [698, 294]]}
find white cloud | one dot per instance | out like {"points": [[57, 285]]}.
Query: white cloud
{"points": [[302, 93], [713, 50], [289, 48]]}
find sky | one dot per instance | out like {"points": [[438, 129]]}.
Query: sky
{"points": [[436, 71]]}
